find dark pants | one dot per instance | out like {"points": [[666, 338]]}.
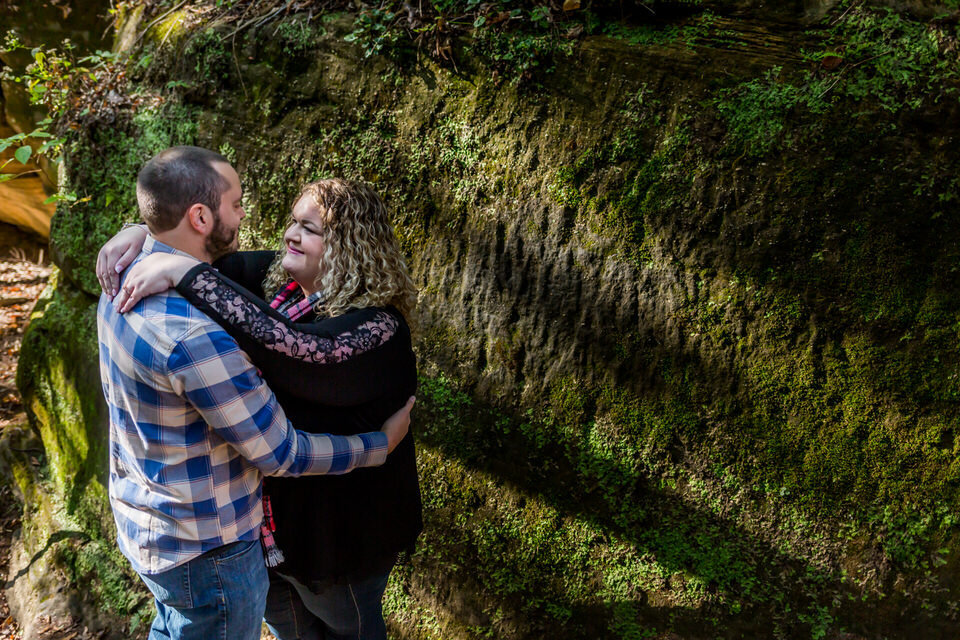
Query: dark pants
{"points": [[351, 611]]}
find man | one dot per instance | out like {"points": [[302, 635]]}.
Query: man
{"points": [[193, 426]]}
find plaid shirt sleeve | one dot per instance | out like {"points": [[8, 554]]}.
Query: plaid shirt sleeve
{"points": [[218, 379]]}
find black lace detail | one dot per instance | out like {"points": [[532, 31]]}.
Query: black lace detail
{"points": [[243, 314]]}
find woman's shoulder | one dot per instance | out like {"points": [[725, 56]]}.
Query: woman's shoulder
{"points": [[388, 318]]}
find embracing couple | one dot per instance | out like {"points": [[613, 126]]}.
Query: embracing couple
{"points": [[264, 363]]}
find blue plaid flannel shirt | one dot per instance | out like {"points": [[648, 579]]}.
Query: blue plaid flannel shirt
{"points": [[193, 429]]}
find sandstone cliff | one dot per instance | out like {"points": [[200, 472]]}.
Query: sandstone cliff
{"points": [[688, 318]]}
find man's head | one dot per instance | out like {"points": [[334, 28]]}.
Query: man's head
{"points": [[190, 198]]}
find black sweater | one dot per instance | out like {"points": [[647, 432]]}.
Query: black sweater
{"points": [[330, 528]]}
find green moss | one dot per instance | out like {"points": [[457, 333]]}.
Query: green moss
{"points": [[171, 29], [103, 171], [591, 540], [99, 566], [68, 506], [58, 378], [563, 189], [638, 173], [816, 422]]}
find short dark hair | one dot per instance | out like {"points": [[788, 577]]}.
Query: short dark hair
{"points": [[176, 179]]}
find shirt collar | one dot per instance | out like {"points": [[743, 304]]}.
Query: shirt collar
{"points": [[152, 245]]}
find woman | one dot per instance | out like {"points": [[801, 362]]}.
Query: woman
{"points": [[340, 269]]}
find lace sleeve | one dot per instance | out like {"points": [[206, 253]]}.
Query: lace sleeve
{"points": [[277, 333]]}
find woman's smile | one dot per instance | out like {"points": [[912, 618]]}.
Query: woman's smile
{"points": [[304, 243]]}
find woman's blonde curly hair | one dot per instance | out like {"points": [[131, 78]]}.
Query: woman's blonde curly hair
{"points": [[361, 264]]}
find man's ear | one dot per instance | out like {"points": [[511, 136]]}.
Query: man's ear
{"points": [[200, 218]]}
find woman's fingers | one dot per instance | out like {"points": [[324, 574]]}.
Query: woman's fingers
{"points": [[132, 290], [397, 425], [111, 261], [130, 296], [104, 272], [125, 260], [116, 255], [121, 298], [112, 275]]}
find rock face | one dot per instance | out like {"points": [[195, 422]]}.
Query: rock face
{"points": [[688, 317]]}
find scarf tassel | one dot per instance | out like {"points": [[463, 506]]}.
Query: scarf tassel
{"points": [[271, 552]]}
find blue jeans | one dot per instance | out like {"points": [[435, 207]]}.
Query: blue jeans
{"points": [[219, 596], [351, 611]]}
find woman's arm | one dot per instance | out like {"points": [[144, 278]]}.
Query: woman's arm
{"points": [[247, 268], [329, 362], [154, 274]]}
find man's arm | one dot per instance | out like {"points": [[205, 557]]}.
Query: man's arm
{"points": [[218, 379]]}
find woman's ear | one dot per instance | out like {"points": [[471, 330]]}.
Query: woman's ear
{"points": [[200, 217]]}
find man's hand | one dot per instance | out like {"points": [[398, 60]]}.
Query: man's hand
{"points": [[397, 425], [154, 274], [116, 255]]}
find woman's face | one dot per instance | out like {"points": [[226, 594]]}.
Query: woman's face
{"points": [[303, 244]]}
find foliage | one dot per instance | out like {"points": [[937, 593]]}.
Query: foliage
{"points": [[517, 56], [372, 30], [757, 111], [297, 36], [25, 151], [699, 30], [211, 62], [866, 54], [74, 90]]}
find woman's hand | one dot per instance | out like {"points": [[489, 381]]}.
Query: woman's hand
{"points": [[154, 274], [116, 255], [397, 425]]}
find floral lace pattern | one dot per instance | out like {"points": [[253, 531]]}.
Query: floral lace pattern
{"points": [[245, 316]]}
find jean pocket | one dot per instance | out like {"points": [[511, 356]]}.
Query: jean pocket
{"points": [[172, 587], [234, 551], [243, 577]]}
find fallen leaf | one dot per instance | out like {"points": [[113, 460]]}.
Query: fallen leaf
{"points": [[829, 63], [571, 5], [500, 17]]}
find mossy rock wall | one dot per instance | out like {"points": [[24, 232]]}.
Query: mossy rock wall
{"points": [[68, 531], [688, 318]]}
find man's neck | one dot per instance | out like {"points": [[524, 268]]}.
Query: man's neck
{"points": [[192, 246]]}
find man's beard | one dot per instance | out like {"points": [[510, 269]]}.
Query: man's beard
{"points": [[221, 241]]}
